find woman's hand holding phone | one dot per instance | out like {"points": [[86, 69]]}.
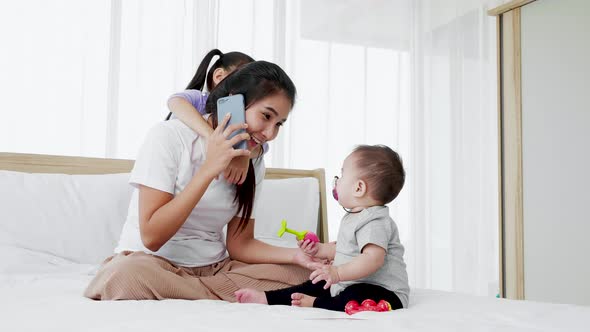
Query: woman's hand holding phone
{"points": [[220, 151]]}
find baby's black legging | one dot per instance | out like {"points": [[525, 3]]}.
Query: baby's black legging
{"points": [[324, 300]]}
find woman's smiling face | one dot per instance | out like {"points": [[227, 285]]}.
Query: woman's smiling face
{"points": [[265, 117]]}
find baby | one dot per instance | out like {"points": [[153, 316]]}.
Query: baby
{"points": [[368, 256]]}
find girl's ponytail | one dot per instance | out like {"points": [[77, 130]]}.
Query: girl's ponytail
{"points": [[198, 81]]}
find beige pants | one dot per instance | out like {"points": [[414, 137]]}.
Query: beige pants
{"points": [[135, 275]]}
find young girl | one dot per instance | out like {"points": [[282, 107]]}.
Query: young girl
{"points": [[189, 105], [368, 256], [172, 245]]}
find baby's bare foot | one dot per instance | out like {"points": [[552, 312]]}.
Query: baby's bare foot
{"points": [[302, 300], [248, 295]]}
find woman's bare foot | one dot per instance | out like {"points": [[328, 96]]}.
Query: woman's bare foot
{"points": [[248, 295], [302, 300]]}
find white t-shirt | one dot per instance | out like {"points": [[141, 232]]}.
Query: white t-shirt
{"points": [[169, 157]]}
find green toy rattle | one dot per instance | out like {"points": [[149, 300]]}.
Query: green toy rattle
{"points": [[303, 235]]}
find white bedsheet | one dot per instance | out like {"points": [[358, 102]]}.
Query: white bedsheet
{"points": [[39, 292]]}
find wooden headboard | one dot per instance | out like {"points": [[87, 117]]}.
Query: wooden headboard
{"points": [[37, 163]]}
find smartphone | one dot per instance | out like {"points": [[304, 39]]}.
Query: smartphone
{"points": [[233, 105]]}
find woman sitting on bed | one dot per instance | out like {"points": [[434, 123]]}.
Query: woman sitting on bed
{"points": [[172, 245]]}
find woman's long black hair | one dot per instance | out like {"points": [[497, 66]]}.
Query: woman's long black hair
{"points": [[254, 81], [228, 61]]}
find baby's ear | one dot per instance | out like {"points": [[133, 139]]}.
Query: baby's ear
{"points": [[360, 189]]}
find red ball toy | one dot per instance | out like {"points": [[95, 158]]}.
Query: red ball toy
{"points": [[352, 307]]}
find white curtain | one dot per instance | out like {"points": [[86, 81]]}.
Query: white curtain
{"points": [[420, 77], [454, 220], [90, 78]]}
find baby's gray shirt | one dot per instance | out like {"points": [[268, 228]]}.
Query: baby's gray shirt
{"points": [[373, 225]]}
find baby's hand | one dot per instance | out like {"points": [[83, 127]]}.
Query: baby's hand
{"points": [[237, 170], [326, 272], [308, 247]]}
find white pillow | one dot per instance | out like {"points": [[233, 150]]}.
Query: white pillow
{"points": [[77, 217], [80, 217], [296, 200]]}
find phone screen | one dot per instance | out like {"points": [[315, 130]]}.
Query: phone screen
{"points": [[233, 105]]}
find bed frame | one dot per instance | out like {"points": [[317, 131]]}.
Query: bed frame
{"points": [[37, 163]]}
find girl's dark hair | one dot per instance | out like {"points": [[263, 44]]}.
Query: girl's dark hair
{"points": [[254, 81], [382, 169], [227, 61]]}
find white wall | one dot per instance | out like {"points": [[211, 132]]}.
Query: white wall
{"points": [[556, 157]]}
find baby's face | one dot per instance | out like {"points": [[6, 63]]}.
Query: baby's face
{"points": [[345, 186]]}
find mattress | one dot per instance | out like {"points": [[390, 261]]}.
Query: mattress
{"points": [[40, 292]]}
